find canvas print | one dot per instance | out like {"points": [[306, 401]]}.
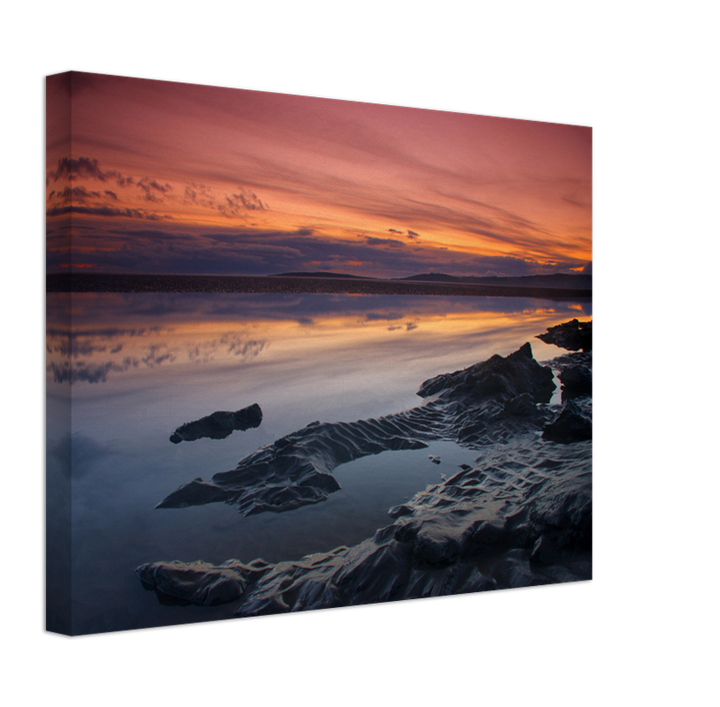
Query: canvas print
{"points": [[306, 353]]}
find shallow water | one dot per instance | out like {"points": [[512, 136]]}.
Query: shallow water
{"points": [[143, 364]]}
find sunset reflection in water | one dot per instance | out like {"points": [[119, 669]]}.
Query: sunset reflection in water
{"points": [[138, 366], [122, 339]]}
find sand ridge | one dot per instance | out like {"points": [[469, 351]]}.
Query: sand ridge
{"points": [[521, 515]]}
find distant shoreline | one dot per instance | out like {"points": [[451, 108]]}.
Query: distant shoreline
{"points": [[108, 282]]}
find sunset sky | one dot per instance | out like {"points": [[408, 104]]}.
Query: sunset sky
{"points": [[166, 177]]}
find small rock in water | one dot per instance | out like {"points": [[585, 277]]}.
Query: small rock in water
{"points": [[219, 425], [573, 335], [434, 459]]}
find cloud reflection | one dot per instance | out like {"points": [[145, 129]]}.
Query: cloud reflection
{"points": [[93, 353], [174, 332]]}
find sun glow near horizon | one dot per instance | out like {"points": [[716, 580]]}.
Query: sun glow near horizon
{"points": [[168, 177]]}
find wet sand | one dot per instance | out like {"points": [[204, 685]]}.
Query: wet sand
{"points": [[520, 515]]}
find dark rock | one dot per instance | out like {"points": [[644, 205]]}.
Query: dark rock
{"points": [[219, 425], [571, 425], [435, 549], [563, 512], [406, 532], [473, 429], [432, 583], [488, 402], [522, 515], [435, 385], [481, 517], [515, 571], [520, 406], [399, 511], [576, 382], [195, 493], [197, 582], [489, 532], [497, 378], [476, 582], [572, 335], [543, 552]]}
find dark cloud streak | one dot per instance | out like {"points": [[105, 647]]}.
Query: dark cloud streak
{"points": [[85, 168], [233, 205], [107, 211], [259, 252], [388, 242]]}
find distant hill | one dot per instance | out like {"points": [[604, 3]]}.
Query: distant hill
{"points": [[557, 280], [324, 273], [554, 281]]}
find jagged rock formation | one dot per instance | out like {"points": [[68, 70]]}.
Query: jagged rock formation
{"points": [[573, 424], [497, 378], [572, 335], [218, 425], [521, 515], [492, 401]]}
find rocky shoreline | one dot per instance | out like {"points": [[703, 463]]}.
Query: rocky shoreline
{"points": [[521, 515]]}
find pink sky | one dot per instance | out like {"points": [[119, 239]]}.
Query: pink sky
{"points": [[169, 177]]}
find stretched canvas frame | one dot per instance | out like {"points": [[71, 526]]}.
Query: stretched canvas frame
{"points": [[75, 202]]}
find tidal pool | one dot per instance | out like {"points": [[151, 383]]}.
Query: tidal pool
{"points": [[137, 366]]}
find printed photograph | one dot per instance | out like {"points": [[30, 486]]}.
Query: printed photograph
{"points": [[305, 353]]}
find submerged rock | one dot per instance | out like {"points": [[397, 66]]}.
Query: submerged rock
{"points": [[218, 425]]}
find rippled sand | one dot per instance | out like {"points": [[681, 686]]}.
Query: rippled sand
{"points": [[521, 515]]}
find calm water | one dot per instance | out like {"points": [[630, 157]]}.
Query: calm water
{"points": [[138, 366]]}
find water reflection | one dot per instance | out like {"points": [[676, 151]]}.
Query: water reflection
{"points": [[224, 331], [135, 367]]}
